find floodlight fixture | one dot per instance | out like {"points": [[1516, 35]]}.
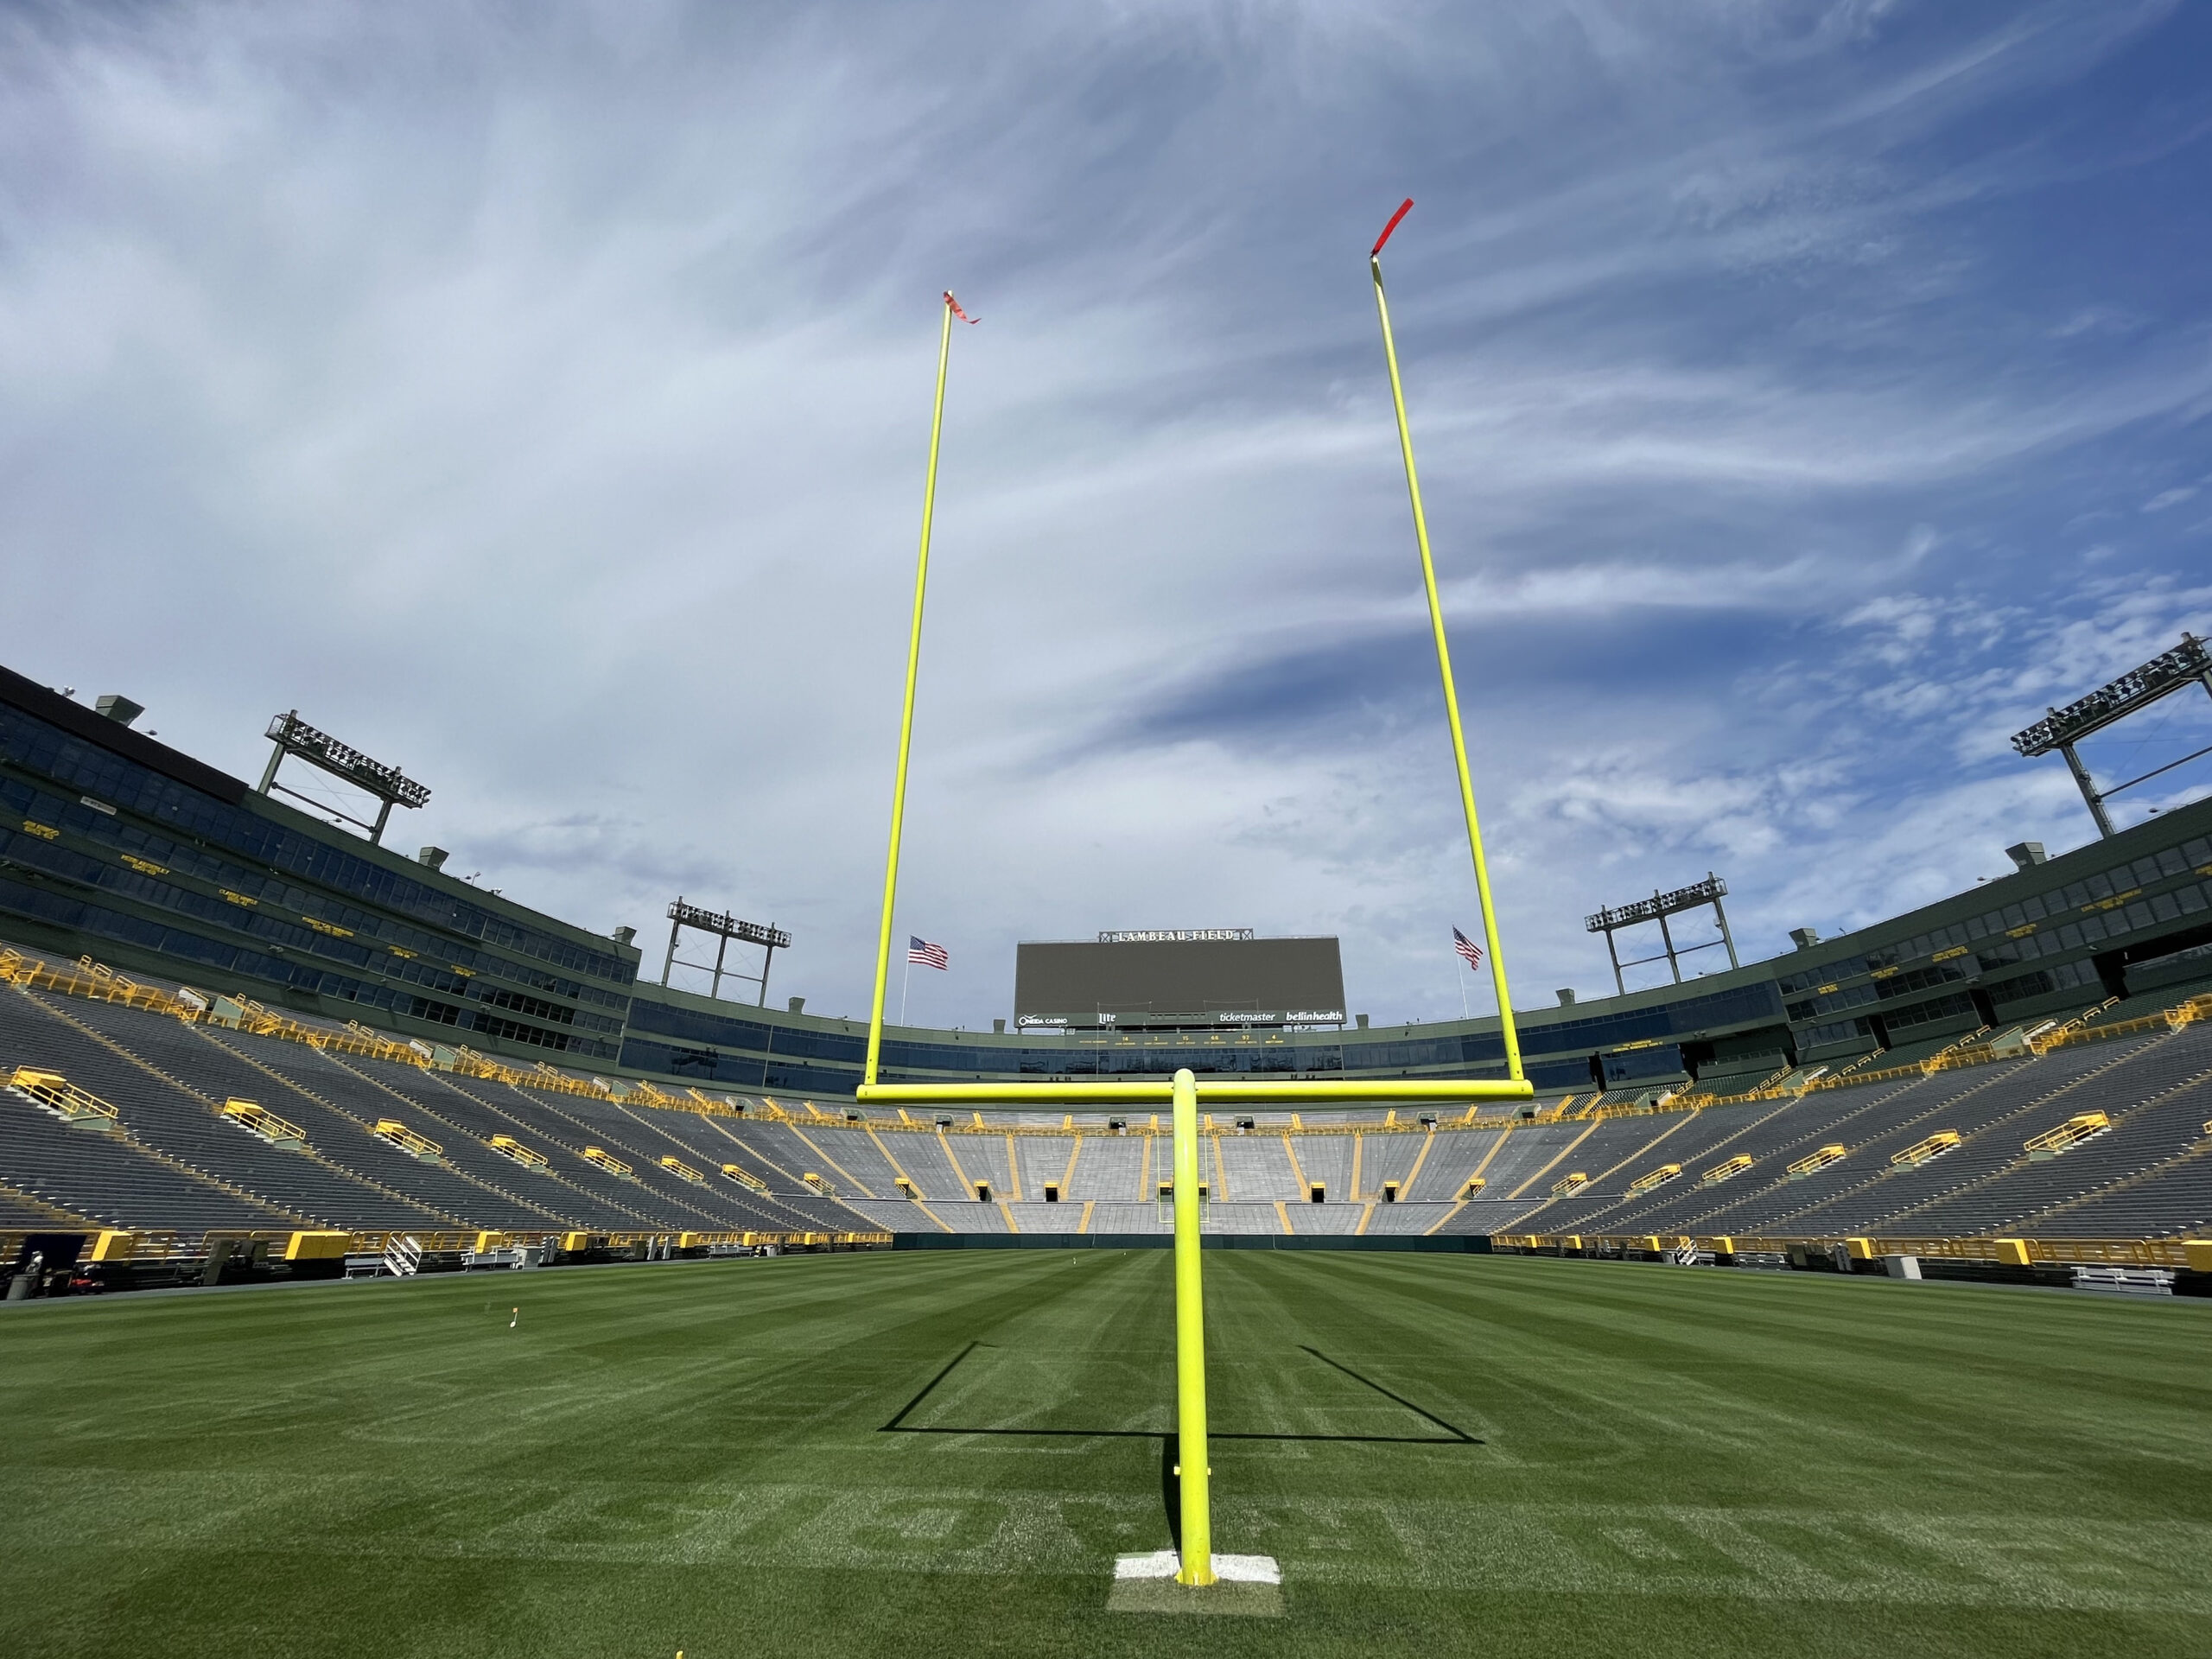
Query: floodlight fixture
{"points": [[725, 927], [293, 737], [2187, 664], [1657, 908]]}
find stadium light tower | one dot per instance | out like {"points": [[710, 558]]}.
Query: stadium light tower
{"points": [[725, 927], [294, 736], [1657, 908], [2186, 664]]}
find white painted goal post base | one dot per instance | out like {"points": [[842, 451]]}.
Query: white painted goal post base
{"points": [[1228, 1569]]}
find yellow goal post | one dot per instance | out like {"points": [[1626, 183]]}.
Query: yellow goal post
{"points": [[1185, 1090]]}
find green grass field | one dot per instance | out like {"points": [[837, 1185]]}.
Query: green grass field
{"points": [[1447, 1454]]}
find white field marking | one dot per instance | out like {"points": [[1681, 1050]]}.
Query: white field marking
{"points": [[1230, 1569], [1928, 1559]]}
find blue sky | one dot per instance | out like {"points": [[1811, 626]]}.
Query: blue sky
{"points": [[1806, 395]]}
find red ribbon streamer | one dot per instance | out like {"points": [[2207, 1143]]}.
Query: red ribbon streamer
{"points": [[1405, 207], [971, 322]]}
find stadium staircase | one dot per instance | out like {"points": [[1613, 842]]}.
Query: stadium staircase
{"points": [[354, 1089], [128, 1056], [442, 1101], [2171, 1080], [451, 1189], [29, 1213], [1994, 1120]]}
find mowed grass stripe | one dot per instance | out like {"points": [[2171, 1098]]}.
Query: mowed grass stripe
{"points": [[1920, 1376], [694, 1455]]}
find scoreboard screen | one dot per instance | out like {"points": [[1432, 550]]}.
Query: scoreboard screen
{"points": [[1162, 980]]}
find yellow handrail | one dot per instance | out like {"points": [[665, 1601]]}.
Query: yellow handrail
{"points": [[52, 1089], [1819, 1160]]}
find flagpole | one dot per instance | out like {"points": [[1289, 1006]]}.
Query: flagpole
{"points": [[906, 715], [1466, 1012], [1444, 662], [905, 984]]}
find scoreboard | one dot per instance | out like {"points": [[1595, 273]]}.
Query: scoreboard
{"points": [[1171, 979]]}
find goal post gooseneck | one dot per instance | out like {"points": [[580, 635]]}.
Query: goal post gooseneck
{"points": [[1443, 665], [906, 709], [1192, 1472]]}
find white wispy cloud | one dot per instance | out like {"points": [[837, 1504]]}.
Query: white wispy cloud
{"points": [[538, 399]]}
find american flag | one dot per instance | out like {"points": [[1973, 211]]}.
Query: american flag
{"points": [[1469, 952], [923, 953]]}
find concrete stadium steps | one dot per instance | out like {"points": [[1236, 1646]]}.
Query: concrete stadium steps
{"points": [[2166, 1197], [783, 1156], [771, 1151], [928, 1163], [893, 1216], [967, 1216], [985, 1158], [1526, 1158], [649, 1193], [1235, 1216], [2169, 1082], [1964, 1100], [21, 1213], [1035, 1216], [1043, 1160], [1329, 1217], [1327, 1159], [337, 1108], [1255, 1168], [1107, 1217], [465, 1126], [1850, 1116], [1609, 1154], [104, 1176], [846, 1158], [535, 1201], [181, 1165], [1442, 1172], [1391, 1158], [744, 1137], [962, 1164], [127, 1070], [1110, 1168], [713, 1205], [701, 1142], [918, 1159], [463, 1114], [788, 1193], [1403, 1217], [1773, 1140], [878, 1160], [562, 1142], [1994, 1124], [1707, 1138], [1499, 1215]]}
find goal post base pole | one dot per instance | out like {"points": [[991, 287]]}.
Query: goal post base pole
{"points": [[1192, 1470]]}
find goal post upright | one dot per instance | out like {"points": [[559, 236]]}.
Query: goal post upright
{"points": [[1192, 1469], [907, 707], [1444, 659]]}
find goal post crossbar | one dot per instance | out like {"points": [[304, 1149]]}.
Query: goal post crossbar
{"points": [[1226, 1091]]}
